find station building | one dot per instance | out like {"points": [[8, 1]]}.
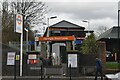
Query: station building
{"points": [[110, 37], [61, 37]]}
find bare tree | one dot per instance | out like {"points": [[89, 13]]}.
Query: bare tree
{"points": [[33, 12], [7, 24], [102, 29], [6, 17]]}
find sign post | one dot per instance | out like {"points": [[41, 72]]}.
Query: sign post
{"points": [[19, 29]]}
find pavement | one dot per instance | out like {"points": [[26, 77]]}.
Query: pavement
{"points": [[48, 78]]}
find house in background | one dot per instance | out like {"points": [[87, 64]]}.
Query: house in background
{"points": [[112, 43], [61, 37]]}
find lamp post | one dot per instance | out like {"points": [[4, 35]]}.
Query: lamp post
{"points": [[21, 49], [27, 30], [48, 19], [26, 39], [86, 21], [49, 46], [118, 52]]}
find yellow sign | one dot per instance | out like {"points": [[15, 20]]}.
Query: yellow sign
{"points": [[17, 57]]}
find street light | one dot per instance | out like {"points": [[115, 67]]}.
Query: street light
{"points": [[86, 21], [27, 30], [48, 19], [48, 34], [26, 38], [118, 54]]}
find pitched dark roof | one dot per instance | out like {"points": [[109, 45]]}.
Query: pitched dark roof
{"points": [[66, 24], [111, 33]]}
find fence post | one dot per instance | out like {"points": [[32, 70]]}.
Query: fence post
{"points": [[15, 71], [41, 71], [70, 71]]}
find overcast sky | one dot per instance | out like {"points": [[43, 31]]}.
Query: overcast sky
{"points": [[97, 12]]}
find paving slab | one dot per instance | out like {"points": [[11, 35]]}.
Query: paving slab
{"points": [[49, 78]]}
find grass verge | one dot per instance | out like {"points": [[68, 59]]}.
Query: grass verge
{"points": [[112, 65]]}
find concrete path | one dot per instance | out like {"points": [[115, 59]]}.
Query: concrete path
{"points": [[49, 78]]}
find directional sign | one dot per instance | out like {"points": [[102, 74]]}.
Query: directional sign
{"points": [[31, 42]]}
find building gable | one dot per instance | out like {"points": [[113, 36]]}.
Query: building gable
{"points": [[65, 24], [111, 33]]}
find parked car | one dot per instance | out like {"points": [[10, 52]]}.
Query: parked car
{"points": [[112, 76]]}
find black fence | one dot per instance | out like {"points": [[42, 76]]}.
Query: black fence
{"points": [[87, 60], [6, 69], [35, 70]]}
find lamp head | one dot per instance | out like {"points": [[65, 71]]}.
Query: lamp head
{"points": [[53, 17], [84, 21]]}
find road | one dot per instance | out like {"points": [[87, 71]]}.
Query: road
{"points": [[51, 78]]}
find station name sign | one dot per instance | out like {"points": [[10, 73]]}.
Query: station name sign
{"points": [[18, 23], [57, 38]]}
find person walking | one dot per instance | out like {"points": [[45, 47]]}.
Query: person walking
{"points": [[98, 68]]}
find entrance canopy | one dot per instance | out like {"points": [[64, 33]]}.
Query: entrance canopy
{"points": [[57, 38]]}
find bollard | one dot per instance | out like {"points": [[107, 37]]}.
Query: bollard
{"points": [[41, 72], [15, 71], [70, 71]]}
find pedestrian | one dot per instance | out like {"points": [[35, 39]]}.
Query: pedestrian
{"points": [[44, 62], [50, 61], [98, 69]]}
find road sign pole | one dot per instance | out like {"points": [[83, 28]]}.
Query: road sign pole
{"points": [[15, 69], [19, 23], [21, 48], [21, 54]]}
